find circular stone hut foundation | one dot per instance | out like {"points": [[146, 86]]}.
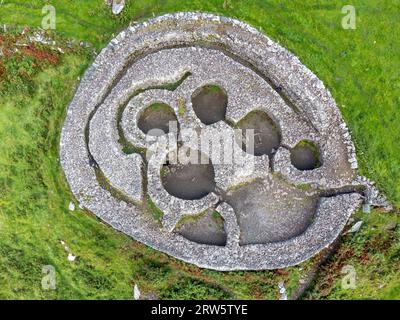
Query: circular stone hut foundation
{"points": [[282, 202]]}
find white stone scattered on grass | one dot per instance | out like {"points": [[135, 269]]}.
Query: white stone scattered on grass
{"points": [[136, 292], [71, 257], [118, 6], [71, 206], [355, 227], [282, 291]]}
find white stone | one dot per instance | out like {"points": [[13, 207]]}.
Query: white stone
{"points": [[355, 227], [118, 6], [71, 206], [136, 292], [71, 257]]}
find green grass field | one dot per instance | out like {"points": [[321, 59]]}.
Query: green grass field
{"points": [[360, 67]]}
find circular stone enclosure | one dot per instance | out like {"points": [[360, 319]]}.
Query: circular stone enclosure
{"points": [[212, 77]]}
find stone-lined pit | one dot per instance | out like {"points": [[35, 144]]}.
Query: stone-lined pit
{"points": [[188, 181], [209, 103], [208, 228], [155, 119], [271, 214], [305, 156], [266, 134]]}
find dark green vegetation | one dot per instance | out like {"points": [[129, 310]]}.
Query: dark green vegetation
{"points": [[156, 213], [360, 67]]}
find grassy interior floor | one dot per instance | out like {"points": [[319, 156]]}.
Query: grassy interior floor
{"points": [[360, 67]]}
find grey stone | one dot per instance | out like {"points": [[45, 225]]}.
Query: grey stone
{"points": [[355, 227], [117, 6], [366, 208]]}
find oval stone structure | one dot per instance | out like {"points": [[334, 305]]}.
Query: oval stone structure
{"points": [[257, 210]]}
